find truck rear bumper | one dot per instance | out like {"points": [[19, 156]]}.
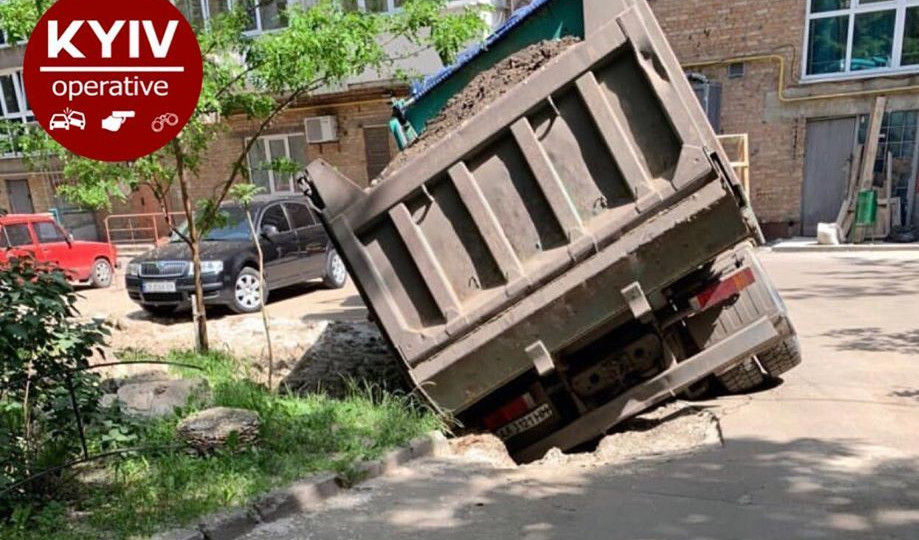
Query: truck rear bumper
{"points": [[754, 338]]}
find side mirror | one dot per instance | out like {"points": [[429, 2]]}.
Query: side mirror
{"points": [[269, 230], [69, 239]]}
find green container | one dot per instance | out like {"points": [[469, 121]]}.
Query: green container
{"points": [[555, 20], [866, 211]]}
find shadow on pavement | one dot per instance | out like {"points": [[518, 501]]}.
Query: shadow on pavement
{"points": [[906, 393], [861, 278], [874, 340], [751, 489]]}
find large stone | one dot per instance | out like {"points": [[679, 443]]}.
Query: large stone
{"points": [[211, 429], [160, 398]]}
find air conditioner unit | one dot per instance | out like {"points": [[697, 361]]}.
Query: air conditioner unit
{"points": [[320, 129]]}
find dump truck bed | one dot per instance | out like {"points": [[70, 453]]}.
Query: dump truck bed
{"points": [[514, 238]]}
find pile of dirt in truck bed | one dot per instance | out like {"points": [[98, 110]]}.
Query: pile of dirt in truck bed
{"points": [[484, 89]]}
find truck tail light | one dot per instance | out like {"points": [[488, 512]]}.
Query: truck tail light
{"points": [[723, 289], [510, 412]]}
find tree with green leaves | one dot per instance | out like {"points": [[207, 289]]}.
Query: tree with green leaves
{"points": [[44, 356], [244, 194], [257, 77]]}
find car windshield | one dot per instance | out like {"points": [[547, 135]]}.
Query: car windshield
{"points": [[235, 227]]}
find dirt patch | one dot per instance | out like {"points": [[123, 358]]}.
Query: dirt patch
{"points": [[346, 352], [482, 447], [312, 355], [484, 89], [672, 429]]}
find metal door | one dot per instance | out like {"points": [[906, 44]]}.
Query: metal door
{"points": [[20, 196], [376, 149], [826, 170]]}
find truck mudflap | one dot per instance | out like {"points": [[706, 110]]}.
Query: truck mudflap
{"points": [[756, 337]]}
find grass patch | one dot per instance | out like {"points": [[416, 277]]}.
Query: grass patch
{"points": [[143, 493]]}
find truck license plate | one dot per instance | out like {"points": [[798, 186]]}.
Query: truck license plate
{"points": [[158, 286], [526, 422]]}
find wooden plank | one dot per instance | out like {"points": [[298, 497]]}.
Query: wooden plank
{"points": [[850, 185], [848, 205], [872, 139], [882, 226], [869, 156], [895, 213]]}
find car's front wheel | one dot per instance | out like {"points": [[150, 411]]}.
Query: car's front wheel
{"points": [[102, 274], [336, 274], [248, 295]]}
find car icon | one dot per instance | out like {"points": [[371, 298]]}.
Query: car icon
{"points": [[59, 121], [77, 119]]}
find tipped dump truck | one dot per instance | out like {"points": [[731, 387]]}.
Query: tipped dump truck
{"points": [[575, 252]]}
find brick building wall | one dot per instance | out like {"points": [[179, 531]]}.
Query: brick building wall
{"points": [[702, 31], [717, 31], [354, 112]]}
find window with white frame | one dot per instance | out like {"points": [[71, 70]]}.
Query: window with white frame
{"points": [[264, 15], [848, 38], [267, 150], [375, 6], [15, 109]]}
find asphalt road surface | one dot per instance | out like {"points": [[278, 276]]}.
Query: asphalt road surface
{"points": [[833, 452]]}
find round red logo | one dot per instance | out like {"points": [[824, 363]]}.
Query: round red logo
{"points": [[113, 81]]}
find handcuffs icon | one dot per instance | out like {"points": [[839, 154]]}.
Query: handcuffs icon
{"points": [[163, 120]]}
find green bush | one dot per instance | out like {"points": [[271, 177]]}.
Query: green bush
{"points": [[40, 347]]}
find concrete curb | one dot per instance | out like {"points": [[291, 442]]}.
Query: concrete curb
{"points": [[304, 495]]}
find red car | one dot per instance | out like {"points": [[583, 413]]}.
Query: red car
{"points": [[42, 238]]}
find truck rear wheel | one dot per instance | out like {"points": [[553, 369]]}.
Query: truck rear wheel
{"points": [[743, 377], [782, 357]]}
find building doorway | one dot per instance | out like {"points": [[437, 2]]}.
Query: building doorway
{"points": [[20, 196], [827, 161], [376, 149]]}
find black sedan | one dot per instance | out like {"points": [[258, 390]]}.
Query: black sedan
{"points": [[295, 247]]}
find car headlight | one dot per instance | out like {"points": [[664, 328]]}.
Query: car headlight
{"points": [[207, 267], [133, 269]]}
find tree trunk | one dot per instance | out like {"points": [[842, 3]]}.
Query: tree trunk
{"points": [[200, 315], [264, 287]]}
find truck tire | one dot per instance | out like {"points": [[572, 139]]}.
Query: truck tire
{"points": [[782, 357], [743, 377]]}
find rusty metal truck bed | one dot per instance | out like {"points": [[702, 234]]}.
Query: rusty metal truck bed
{"points": [[572, 207]]}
